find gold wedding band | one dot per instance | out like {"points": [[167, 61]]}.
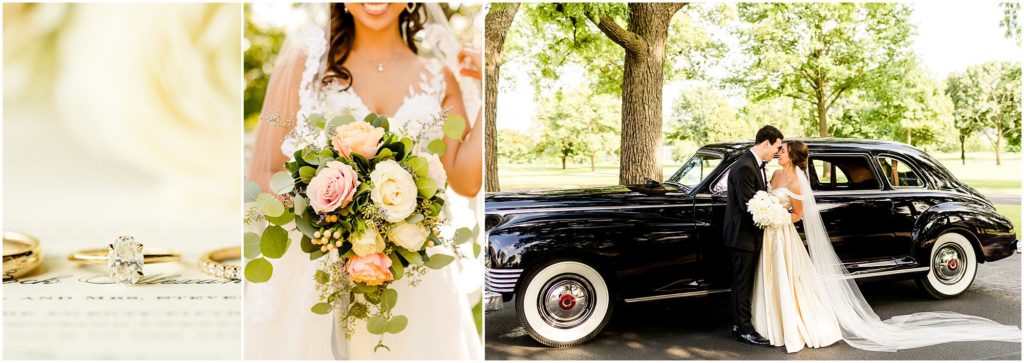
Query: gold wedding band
{"points": [[22, 254], [124, 258], [212, 263]]}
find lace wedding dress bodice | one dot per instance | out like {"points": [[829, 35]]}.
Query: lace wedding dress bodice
{"points": [[420, 115]]}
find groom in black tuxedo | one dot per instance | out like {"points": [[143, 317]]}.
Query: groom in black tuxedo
{"points": [[743, 238]]}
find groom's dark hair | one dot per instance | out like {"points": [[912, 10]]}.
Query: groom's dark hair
{"points": [[768, 132]]}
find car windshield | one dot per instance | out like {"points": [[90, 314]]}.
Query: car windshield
{"points": [[695, 170]]}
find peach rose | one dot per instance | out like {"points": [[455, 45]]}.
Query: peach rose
{"points": [[333, 187], [357, 137], [370, 269]]}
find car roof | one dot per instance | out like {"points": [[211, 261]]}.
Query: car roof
{"points": [[728, 148]]}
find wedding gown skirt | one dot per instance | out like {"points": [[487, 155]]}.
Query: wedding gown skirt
{"points": [[789, 308]]}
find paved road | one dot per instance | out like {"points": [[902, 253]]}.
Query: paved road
{"points": [[698, 328], [1002, 196]]}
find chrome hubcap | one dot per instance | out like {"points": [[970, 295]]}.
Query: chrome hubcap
{"points": [[566, 301], [948, 263]]}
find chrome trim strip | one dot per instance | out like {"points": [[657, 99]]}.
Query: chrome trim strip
{"points": [[886, 273], [676, 295], [716, 291], [576, 209]]}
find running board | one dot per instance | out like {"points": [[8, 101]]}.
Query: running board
{"points": [[716, 291]]}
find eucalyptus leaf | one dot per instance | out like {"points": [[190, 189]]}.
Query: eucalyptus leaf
{"points": [[304, 226], [419, 166], [454, 127], [412, 258], [389, 299], [251, 247], [274, 242], [438, 261], [463, 235], [427, 187], [269, 205], [307, 246], [437, 147], [370, 117], [397, 324], [316, 254], [306, 174], [397, 269], [311, 156], [281, 182], [252, 189], [322, 308], [283, 219], [299, 204], [258, 270], [316, 120], [377, 325]]}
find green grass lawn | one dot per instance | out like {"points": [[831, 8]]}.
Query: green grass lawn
{"points": [[1013, 213], [980, 172]]}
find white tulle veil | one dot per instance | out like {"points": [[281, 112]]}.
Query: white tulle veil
{"points": [[861, 327]]}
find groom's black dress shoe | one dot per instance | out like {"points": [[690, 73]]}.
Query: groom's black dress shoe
{"points": [[752, 338]]}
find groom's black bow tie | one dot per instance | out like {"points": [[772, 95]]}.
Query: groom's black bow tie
{"points": [[764, 176]]}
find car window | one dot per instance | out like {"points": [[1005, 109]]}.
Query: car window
{"points": [[842, 172], [696, 169], [899, 173]]}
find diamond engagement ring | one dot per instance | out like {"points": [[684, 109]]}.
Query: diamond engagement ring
{"points": [[22, 254], [212, 263], [124, 258]]}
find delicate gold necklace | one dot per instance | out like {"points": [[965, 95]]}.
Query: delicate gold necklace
{"points": [[379, 63]]}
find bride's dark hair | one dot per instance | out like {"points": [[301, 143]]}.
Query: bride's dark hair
{"points": [[798, 153], [343, 31]]}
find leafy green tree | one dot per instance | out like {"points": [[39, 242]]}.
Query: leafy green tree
{"points": [[986, 100], [820, 53], [516, 147], [577, 123], [496, 23], [626, 49], [703, 115], [785, 113]]}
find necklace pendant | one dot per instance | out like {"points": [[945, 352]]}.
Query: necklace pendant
{"points": [[380, 67]]}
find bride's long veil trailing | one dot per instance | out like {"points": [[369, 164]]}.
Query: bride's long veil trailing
{"points": [[861, 327]]}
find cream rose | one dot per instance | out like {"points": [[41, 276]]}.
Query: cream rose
{"points": [[357, 137], [368, 242], [393, 190], [408, 235]]}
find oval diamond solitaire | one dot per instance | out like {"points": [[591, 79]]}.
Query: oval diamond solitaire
{"points": [[125, 259]]}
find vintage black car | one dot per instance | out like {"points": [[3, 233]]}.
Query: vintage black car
{"points": [[567, 257]]}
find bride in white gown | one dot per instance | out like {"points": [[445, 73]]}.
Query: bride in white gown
{"points": [[806, 298], [368, 60]]}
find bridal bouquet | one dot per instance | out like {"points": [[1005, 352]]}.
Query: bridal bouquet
{"points": [[370, 203], [767, 210]]}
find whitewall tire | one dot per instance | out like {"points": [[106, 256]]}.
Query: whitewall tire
{"points": [[952, 266], [563, 303]]}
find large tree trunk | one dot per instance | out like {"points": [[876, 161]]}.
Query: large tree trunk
{"points": [[496, 25], [642, 81], [822, 108]]}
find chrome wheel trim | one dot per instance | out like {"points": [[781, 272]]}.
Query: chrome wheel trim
{"points": [[949, 264], [566, 300]]}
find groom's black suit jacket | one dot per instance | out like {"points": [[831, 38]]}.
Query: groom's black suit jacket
{"points": [[745, 179]]}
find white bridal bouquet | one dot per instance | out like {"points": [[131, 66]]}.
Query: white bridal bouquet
{"points": [[767, 210]]}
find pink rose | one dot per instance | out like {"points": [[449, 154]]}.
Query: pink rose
{"points": [[371, 269], [357, 137], [333, 187]]}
